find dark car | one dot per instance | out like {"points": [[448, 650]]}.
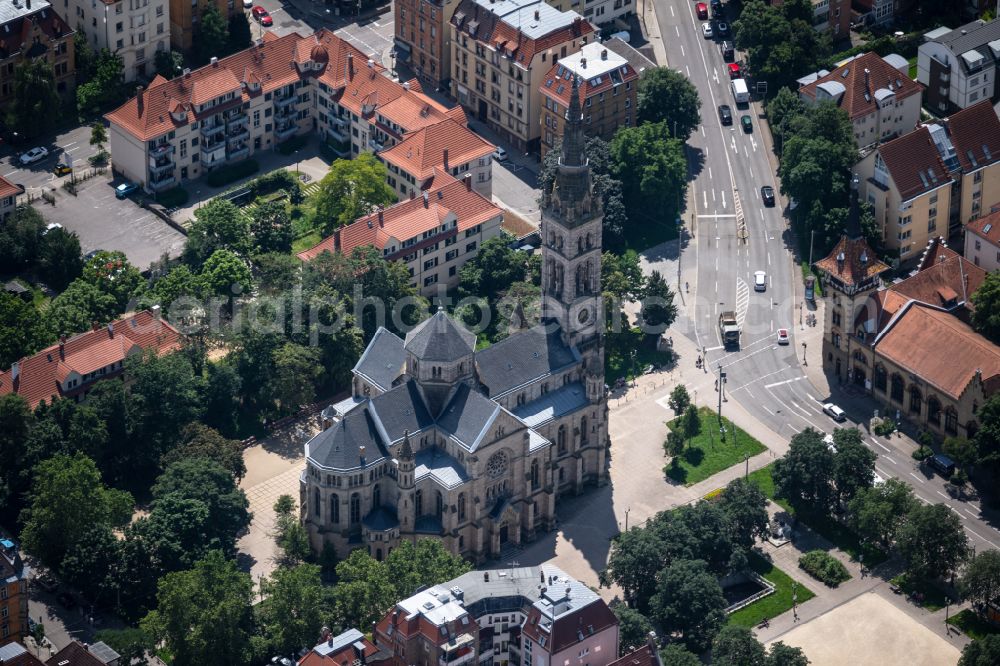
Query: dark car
{"points": [[767, 195], [746, 123], [722, 29], [942, 464], [726, 114], [62, 169]]}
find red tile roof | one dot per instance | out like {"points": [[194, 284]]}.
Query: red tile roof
{"points": [[16, 33], [410, 219], [25, 658], [643, 656], [422, 151], [566, 631], [41, 375], [975, 133], [9, 189], [345, 656], [851, 75], [914, 164], [74, 654], [914, 342], [987, 228], [852, 262]]}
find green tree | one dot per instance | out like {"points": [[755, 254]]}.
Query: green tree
{"points": [[785, 655], [77, 308], [165, 395], [131, 643], [932, 541], [666, 95], [961, 450], [223, 388], [272, 228], [296, 369], [853, 463], [168, 64], [779, 41], [66, 499], [980, 583], [364, 590], [203, 615], [294, 608], [622, 278], [676, 655], [201, 441], [179, 283], [987, 438], [98, 136], [679, 399], [225, 274], [84, 58], [34, 106], [982, 652], [803, 475], [658, 307], [212, 37], [691, 422], [218, 225], [652, 169], [986, 316], [674, 446], [737, 646], [22, 331], [293, 540], [877, 513], [111, 272], [424, 564], [689, 601], [105, 88], [21, 239], [781, 109], [493, 270], [746, 506], [90, 563], [352, 189], [633, 628], [274, 271], [60, 261], [240, 37]]}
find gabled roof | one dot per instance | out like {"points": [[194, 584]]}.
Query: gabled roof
{"points": [[9, 189], [15, 654], [987, 228], [975, 35], [522, 358], [975, 134], [852, 262], [859, 90], [468, 416], [422, 151], [643, 656], [439, 338], [343, 650], [74, 654], [339, 446], [383, 359], [599, 69], [16, 24], [914, 164], [40, 376]]}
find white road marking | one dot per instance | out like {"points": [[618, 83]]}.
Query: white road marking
{"points": [[703, 134], [72, 149], [970, 513], [682, 49], [881, 445], [916, 477], [768, 258], [11, 173], [717, 348], [745, 151], [713, 196], [787, 381], [709, 169], [942, 494], [972, 531], [677, 29], [884, 474], [723, 198], [714, 216], [671, 10], [70, 144], [688, 69], [715, 74], [704, 196], [793, 427], [890, 460]]}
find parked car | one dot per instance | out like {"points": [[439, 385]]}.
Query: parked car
{"points": [[261, 16], [500, 155], [760, 281], [942, 464], [706, 30], [722, 29], [767, 195], [126, 189], [734, 71], [33, 155], [834, 412], [702, 10], [61, 169], [746, 123], [782, 336], [725, 114]]}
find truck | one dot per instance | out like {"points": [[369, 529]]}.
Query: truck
{"points": [[729, 329], [740, 91]]}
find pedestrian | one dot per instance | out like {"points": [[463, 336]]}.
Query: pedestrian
{"points": [[686, 290]]}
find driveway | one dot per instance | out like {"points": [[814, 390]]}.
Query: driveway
{"points": [[105, 223]]}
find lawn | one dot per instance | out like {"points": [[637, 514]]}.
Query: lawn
{"points": [[307, 241], [806, 272], [913, 68], [773, 604], [707, 452], [618, 361], [972, 625], [934, 597]]}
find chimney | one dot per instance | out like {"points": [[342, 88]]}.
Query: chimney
{"points": [[27, 3], [604, 54], [486, 576], [651, 640], [138, 99], [95, 326], [537, 15], [583, 63], [371, 64], [336, 240], [214, 61], [406, 86], [62, 347], [541, 574], [111, 331], [381, 218], [427, 200], [156, 311], [468, 182], [329, 642], [568, 590], [15, 374], [445, 159], [350, 65], [413, 195], [840, 262], [187, 72]]}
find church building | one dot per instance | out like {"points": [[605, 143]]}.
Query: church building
{"points": [[475, 447]]}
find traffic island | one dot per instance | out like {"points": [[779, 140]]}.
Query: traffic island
{"points": [[710, 448]]}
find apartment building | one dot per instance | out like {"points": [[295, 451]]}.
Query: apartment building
{"points": [[909, 187], [608, 88], [70, 368], [132, 29], [502, 51], [349, 647], [599, 12], [32, 31], [13, 593], [253, 100], [832, 15], [423, 38], [445, 146], [974, 135], [959, 67], [535, 616], [982, 242], [185, 15], [434, 233], [878, 95], [8, 197]]}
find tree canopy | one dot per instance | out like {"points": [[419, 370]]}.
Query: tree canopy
{"points": [[980, 582], [932, 541], [34, 106], [853, 464], [804, 474], [667, 95], [633, 628], [981, 652], [780, 41], [352, 189], [652, 169], [689, 601], [218, 225], [877, 513], [295, 607], [986, 316]]}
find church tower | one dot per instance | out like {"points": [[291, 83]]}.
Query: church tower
{"points": [[571, 246], [405, 471]]}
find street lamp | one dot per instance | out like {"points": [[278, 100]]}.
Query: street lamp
{"points": [[746, 459], [804, 361], [626, 518]]}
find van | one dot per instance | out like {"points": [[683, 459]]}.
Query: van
{"points": [[942, 464], [740, 91], [726, 49]]}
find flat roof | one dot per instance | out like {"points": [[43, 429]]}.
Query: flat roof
{"points": [[9, 11], [521, 14]]}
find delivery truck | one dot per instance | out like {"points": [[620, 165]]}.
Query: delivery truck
{"points": [[740, 91]]}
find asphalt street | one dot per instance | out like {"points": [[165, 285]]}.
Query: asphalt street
{"points": [[72, 144], [766, 378]]}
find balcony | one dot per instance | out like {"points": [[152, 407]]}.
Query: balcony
{"points": [[238, 153], [162, 183], [238, 134], [237, 119], [210, 130], [457, 658], [282, 102], [213, 152], [161, 150], [161, 165], [283, 132], [339, 143], [375, 145]]}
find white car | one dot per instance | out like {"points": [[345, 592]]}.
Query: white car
{"points": [[760, 281], [782, 336], [706, 29], [834, 412], [34, 155], [500, 155]]}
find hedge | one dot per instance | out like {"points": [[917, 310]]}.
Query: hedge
{"points": [[232, 172], [824, 567], [275, 181], [173, 198]]}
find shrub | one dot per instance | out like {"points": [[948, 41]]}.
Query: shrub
{"points": [[824, 567], [232, 172], [922, 453], [885, 427], [281, 179], [173, 198]]}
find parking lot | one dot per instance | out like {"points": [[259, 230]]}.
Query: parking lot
{"points": [[105, 223]]}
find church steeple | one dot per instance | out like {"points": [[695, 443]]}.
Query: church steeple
{"points": [[573, 143], [571, 197]]}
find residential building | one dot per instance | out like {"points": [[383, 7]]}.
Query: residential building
{"points": [[33, 30], [519, 615], [350, 647], [910, 189], [958, 67], [982, 242], [600, 12], [881, 12], [503, 50], [70, 368], [887, 340], [832, 15], [974, 134], [83, 654], [608, 86], [13, 593], [9, 192], [186, 14], [878, 96], [15, 654], [135, 30], [434, 234], [646, 655], [279, 88], [445, 146], [423, 38], [439, 440]]}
